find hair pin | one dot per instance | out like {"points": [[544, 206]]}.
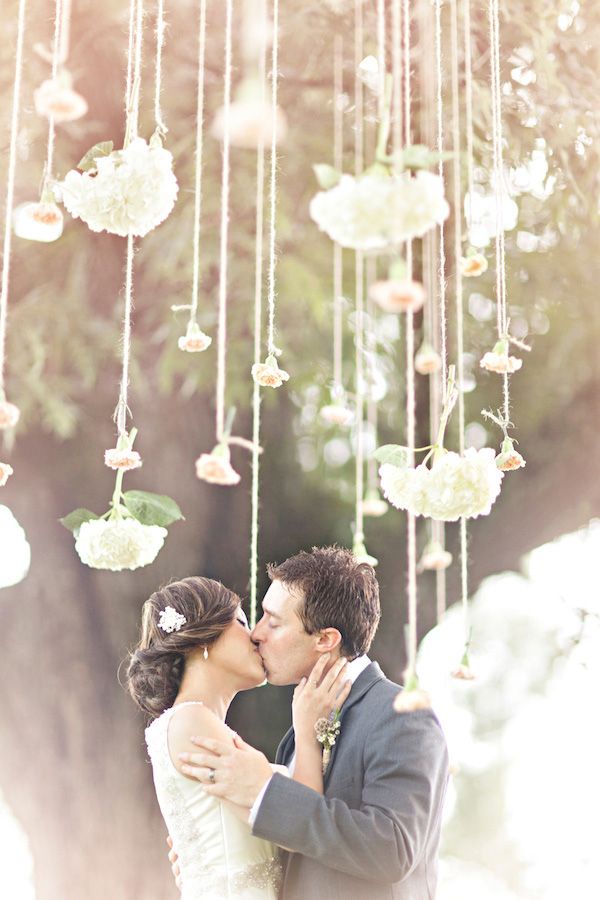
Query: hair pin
{"points": [[170, 620]]}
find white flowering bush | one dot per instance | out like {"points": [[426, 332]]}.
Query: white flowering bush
{"points": [[377, 211], [118, 544], [128, 191], [454, 487]]}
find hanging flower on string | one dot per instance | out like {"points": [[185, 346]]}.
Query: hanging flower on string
{"points": [[5, 472], [55, 98], [360, 551], [435, 558], [463, 671], [38, 221], [129, 191], [509, 459], [133, 530], [338, 412], [473, 264], [373, 505], [427, 360], [386, 205], [194, 340], [216, 468], [454, 487], [412, 697], [9, 414], [498, 360], [398, 295], [268, 374], [250, 118]]}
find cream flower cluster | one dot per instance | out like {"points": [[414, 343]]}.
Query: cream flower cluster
{"points": [[118, 544], [455, 486], [376, 212], [131, 192]]}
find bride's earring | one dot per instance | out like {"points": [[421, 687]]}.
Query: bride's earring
{"points": [[205, 654]]}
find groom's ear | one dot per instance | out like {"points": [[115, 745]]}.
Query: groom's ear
{"points": [[328, 639]]}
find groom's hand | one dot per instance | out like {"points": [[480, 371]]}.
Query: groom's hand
{"points": [[237, 773]]}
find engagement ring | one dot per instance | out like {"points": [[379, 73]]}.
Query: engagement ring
{"points": [[211, 777]]}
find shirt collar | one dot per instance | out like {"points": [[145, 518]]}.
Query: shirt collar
{"points": [[356, 666]]}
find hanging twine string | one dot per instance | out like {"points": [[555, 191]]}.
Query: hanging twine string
{"points": [[459, 296], [224, 230], [359, 275], [56, 51], [160, 40], [432, 329], [338, 162], [372, 407], [469, 105], [134, 66], [272, 349], [258, 280], [498, 164], [10, 190], [396, 77], [198, 162], [440, 149], [410, 375]]}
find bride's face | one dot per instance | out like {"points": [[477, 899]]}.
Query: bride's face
{"points": [[238, 655]]}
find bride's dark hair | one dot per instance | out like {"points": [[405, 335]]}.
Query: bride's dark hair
{"points": [[156, 664]]}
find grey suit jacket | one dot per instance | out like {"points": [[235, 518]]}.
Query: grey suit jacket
{"points": [[374, 834]]}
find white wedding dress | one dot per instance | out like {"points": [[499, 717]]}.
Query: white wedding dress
{"points": [[218, 856]]}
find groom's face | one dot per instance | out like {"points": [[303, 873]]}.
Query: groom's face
{"points": [[288, 652]]}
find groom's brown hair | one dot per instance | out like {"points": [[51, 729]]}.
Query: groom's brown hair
{"points": [[338, 592]]}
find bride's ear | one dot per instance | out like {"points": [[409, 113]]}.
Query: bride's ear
{"points": [[328, 640]]}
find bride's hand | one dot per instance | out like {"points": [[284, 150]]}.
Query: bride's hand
{"points": [[319, 695]]}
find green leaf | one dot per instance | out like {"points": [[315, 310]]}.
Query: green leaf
{"points": [[152, 509], [75, 519], [88, 162], [419, 156], [326, 175], [393, 454]]}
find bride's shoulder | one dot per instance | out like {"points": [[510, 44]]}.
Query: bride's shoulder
{"points": [[193, 720]]}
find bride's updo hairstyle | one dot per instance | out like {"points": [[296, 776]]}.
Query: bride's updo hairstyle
{"points": [[156, 665]]}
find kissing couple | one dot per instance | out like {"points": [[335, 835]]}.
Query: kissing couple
{"points": [[352, 807]]}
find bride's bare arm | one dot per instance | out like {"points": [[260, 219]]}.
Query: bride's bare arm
{"points": [[315, 698]]}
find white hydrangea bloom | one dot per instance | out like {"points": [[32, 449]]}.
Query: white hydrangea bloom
{"points": [[376, 212], [118, 543], [454, 487], [133, 190], [463, 485]]}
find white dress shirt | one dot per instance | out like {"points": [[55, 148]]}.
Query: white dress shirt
{"points": [[353, 670]]}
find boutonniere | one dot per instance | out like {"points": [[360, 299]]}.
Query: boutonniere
{"points": [[328, 731]]}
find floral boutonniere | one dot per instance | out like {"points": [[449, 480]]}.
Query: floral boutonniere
{"points": [[328, 731]]}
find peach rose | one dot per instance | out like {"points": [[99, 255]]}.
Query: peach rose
{"points": [[9, 414], [463, 673], [499, 361], [194, 340], [435, 558], [473, 265], [411, 700], [427, 360], [122, 459], [38, 221], [216, 467], [268, 374], [398, 296], [337, 414], [509, 458], [5, 473], [54, 98]]}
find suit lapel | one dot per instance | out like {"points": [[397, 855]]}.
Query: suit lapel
{"points": [[285, 749], [363, 684]]}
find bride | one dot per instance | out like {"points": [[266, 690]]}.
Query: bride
{"points": [[194, 655]]}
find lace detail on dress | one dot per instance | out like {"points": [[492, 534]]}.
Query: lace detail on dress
{"points": [[262, 875]]}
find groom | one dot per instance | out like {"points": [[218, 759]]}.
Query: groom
{"points": [[375, 832]]}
